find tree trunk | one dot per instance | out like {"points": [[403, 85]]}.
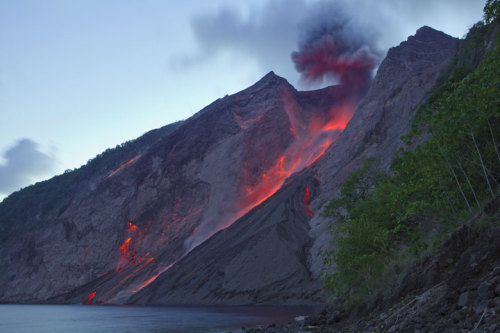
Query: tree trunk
{"points": [[456, 179], [482, 164], [493, 139], [470, 185]]}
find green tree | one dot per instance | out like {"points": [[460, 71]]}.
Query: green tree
{"points": [[376, 217]]}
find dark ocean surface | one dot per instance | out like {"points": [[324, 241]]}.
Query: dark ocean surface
{"points": [[109, 318]]}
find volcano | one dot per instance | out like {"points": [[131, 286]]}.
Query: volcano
{"points": [[222, 208]]}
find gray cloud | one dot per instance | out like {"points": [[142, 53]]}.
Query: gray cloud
{"points": [[333, 45], [24, 163], [270, 33], [265, 35]]}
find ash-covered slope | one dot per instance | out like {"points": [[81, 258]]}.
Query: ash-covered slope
{"points": [[103, 232], [261, 258], [266, 256]]}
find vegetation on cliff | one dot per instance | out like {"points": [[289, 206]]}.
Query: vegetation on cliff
{"points": [[382, 220]]}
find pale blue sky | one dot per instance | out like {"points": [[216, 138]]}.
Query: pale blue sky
{"points": [[77, 77]]}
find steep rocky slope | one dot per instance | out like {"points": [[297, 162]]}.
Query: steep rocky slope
{"points": [[158, 225], [403, 80], [105, 232], [261, 258]]}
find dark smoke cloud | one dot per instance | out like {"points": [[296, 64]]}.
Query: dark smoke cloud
{"points": [[335, 46], [264, 35], [270, 33], [24, 163]]}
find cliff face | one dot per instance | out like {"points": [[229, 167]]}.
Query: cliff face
{"points": [[223, 207]]}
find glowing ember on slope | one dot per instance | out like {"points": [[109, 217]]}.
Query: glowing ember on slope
{"points": [[306, 199], [245, 123], [135, 270], [133, 229], [147, 282], [129, 162], [125, 248], [136, 249], [129, 254], [90, 297]]}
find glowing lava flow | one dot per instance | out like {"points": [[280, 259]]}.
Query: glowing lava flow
{"points": [[308, 135], [129, 162], [310, 142]]}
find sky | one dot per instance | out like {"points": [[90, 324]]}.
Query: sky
{"points": [[80, 76]]}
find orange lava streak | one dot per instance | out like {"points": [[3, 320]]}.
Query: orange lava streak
{"points": [[306, 199], [132, 160], [125, 248], [91, 297], [147, 282], [141, 286], [128, 276]]}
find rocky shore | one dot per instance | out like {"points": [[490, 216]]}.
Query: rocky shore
{"points": [[456, 289]]}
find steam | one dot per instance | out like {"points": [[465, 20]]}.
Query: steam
{"points": [[24, 164], [336, 48]]}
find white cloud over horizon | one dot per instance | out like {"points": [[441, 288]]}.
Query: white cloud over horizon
{"points": [[24, 163]]}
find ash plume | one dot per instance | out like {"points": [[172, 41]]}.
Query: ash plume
{"points": [[336, 48]]}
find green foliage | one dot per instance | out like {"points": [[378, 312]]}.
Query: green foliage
{"points": [[449, 177], [492, 11], [373, 218]]}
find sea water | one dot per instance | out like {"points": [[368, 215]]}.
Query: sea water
{"points": [[108, 318]]}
